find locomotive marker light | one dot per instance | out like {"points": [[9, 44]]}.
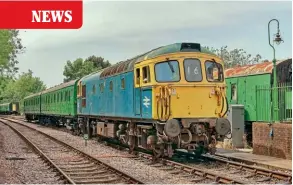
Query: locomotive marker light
{"points": [[277, 40]]}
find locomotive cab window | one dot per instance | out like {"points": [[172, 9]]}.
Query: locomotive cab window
{"points": [[137, 77], [167, 71], [146, 74], [192, 69], [214, 71], [233, 92]]}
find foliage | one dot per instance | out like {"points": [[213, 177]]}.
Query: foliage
{"points": [[79, 67], [235, 57], [25, 85], [10, 47]]}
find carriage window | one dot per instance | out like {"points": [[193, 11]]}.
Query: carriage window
{"points": [[122, 83], [68, 95], [214, 71], [192, 68], [233, 92], [146, 74], [94, 89], [167, 71]]}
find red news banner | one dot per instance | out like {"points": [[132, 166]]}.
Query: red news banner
{"points": [[41, 14]]}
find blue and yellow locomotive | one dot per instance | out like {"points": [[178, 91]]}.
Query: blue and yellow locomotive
{"points": [[172, 97]]}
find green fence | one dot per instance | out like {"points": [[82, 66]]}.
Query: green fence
{"points": [[264, 102]]}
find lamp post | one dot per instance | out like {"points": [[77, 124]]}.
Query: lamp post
{"points": [[277, 40]]}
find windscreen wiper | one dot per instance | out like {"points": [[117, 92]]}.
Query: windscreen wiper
{"points": [[171, 67]]}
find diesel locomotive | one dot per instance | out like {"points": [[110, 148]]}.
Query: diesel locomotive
{"points": [[172, 97]]}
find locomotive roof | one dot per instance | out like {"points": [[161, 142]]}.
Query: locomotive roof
{"points": [[261, 68], [128, 65]]}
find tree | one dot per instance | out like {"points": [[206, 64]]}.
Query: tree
{"points": [[79, 67], [235, 57], [10, 47], [25, 85]]}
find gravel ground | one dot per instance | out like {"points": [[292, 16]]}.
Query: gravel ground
{"points": [[119, 159], [139, 170], [29, 168]]}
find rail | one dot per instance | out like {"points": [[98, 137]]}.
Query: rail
{"points": [[125, 177]]}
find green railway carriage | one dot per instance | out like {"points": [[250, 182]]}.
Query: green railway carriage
{"points": [[54, 105], [9, 108], [251, 86], [60, 100], [32, 106]]}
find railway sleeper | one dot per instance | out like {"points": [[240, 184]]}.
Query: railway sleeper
{"points": [[96, 181], [264, 179], [175, 171], [80, 170], [75, 163], [89, 165], [108, 176], [87, 173]]}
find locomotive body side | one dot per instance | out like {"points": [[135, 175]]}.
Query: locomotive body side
{"points": [[168, 96]]}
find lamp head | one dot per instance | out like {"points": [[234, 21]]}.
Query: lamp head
{"points": [[278, 39]]}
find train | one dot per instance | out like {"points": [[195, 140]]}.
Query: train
{"points": [[251, 86], [172, 97], [9, 108]]}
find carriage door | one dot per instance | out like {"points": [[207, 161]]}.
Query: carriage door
{"points": [[137, 92]]}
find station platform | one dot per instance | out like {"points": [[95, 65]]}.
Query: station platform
{"points": [[260, 160]]}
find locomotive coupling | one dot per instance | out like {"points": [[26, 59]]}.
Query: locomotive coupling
{"points": [[223, 126]]}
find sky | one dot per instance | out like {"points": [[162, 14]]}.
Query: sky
{"points": [[121, 30]]}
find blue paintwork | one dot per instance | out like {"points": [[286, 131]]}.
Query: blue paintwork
{"points": [[129, 102]]}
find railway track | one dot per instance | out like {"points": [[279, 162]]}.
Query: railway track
{"points": [[73, 165], [234, 172]]}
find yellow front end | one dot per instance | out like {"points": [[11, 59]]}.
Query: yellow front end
{"points": [[188, 97], [191, 90]]}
